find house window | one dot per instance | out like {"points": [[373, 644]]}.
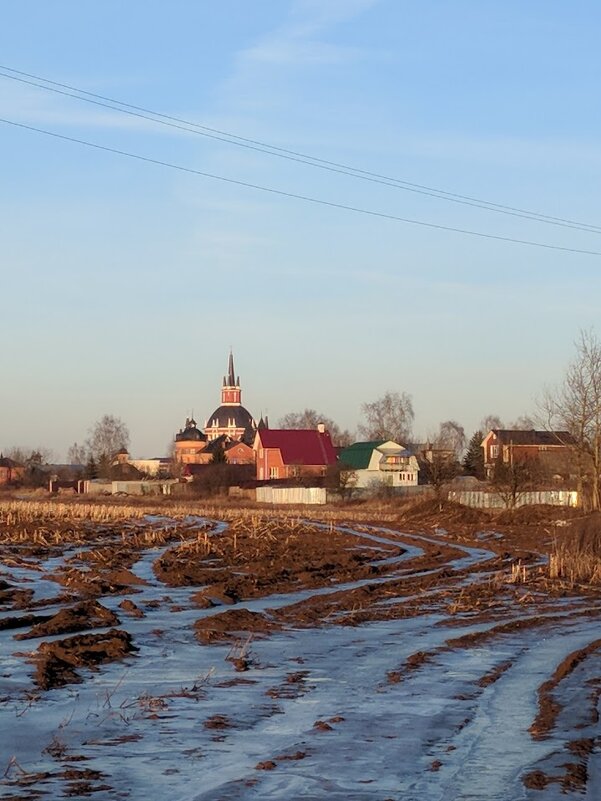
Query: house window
{"points": [[494, 451], [273, 472]]}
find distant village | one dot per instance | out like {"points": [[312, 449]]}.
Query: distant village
{"points": [[235, 453]]}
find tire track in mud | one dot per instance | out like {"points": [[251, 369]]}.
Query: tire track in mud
{"points": [[440, 723], [153, 588], [469, 787]]}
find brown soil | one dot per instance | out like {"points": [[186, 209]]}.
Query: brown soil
{"points": [[268, 556], [294, 686], [82, 616], [412, 663], [321, 725], [294, 757], [16, 598], [549, 708], [56, 661], [22, 621], [269, 553], [230, 626], [495, 674], [94, 583], [218, 722], [574, 778], [131, 608]]}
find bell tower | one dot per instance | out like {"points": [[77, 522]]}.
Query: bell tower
{"points": [[231, 394]]}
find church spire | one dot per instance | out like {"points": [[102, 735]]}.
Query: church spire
{"points": [[231, 376], [230, 392]]}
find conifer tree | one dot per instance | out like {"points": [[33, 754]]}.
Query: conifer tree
{"points": [[91, 468], [219, 456], [473, 461]]}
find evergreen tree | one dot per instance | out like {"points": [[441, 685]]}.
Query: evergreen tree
{"points": [[91, 468], [473, 461], [219, 456]]}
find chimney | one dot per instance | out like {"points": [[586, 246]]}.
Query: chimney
{"points": [[321, 428]]}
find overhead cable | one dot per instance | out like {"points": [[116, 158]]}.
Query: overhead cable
{"points": [[296, 196]]}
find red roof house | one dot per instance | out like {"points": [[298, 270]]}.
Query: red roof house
{"points": [[288, 453]]}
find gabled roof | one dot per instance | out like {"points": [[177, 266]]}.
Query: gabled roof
{"points": [[10, 463], [236, 443], [217, 444], [509, 436], [299, 446], [358, 455]]}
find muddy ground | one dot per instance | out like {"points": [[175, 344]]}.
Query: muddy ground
{"points": [[464, 597]]}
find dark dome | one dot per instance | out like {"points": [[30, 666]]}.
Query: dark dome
{"points": [[190, 433], [224, 415]]}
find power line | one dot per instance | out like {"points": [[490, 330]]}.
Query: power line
{"points": [[290, 155], [294, 195]]}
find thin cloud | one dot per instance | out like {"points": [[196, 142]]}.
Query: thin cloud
{"points": [[34, 106], [298, 42], [287, 51]]}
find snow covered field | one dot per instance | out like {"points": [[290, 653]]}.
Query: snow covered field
{"points": [[338, 710]]}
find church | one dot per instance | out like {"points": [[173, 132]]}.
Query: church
{"points": [[230, 427]]}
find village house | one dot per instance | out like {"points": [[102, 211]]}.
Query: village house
{"points": [[292, 453], [553, 449], [10, 471], [380, 462], [435, 454]]}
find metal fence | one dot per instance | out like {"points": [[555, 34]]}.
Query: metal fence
{"points": [[492, 500]]}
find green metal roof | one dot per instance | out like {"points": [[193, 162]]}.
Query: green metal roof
{"points": [[359, 454]]}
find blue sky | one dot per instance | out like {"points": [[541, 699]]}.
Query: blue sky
{"points": [[123, 284]]}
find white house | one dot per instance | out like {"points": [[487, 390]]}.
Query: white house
{"points": [[381, 461]]}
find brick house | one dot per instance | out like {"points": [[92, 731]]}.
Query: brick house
{"points": [[239, 453], [291, 453], [553, 449], [10, 470]]}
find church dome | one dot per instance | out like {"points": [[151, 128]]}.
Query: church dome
{"points": [[230, 417], [190, 433]]}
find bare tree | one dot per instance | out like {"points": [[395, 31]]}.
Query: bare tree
{"points": [[575, 407], [107, 436], [441, 464], [490, 423], [523, 423], [342, 479], [511, 480], [310, 418], [389, 417], [451, 436], [77, 454], [28, 456]]}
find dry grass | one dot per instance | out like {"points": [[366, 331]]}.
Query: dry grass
{"points": [[577, 556]]}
